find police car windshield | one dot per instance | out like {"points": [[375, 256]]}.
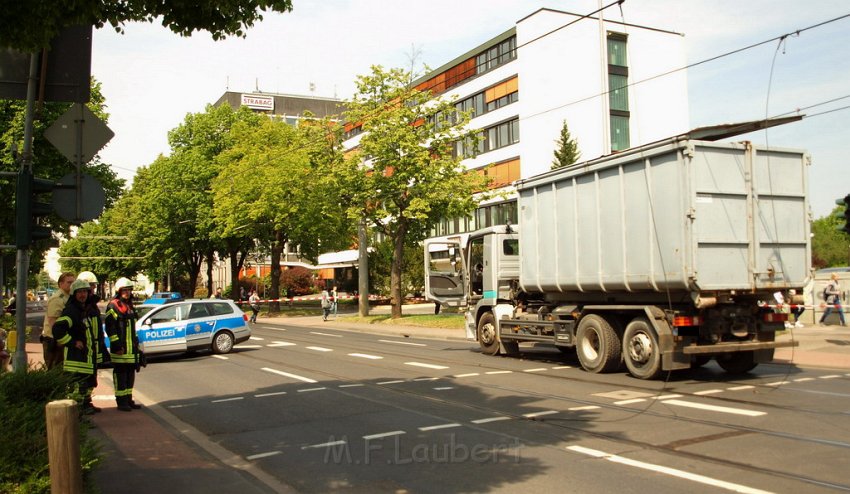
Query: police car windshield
{"points": [[144, 309]]}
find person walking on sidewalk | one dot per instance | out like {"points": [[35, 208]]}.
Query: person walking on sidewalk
{"points": [[254, 302], [124, 344], [326, 304], [73, 330], [833, 300], [55, 305]]}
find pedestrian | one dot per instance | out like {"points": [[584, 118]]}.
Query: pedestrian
{"points": [[254, 301], [53, 355], [782, 307], [326, 304], [124, 344], [797, 310], [832, 294], [242, 295], [217, 294], [73, 330], [334, 300]]}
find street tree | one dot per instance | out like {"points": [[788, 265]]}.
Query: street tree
{"points": [[404, 177], [830, 247], [29, 26], [566, 152]]}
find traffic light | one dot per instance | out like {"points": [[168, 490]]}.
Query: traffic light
{"points": [[844, 215], [31, 205]]}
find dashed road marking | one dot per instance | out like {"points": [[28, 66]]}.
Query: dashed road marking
{"points": [[441, 426], [383, 434], [740, 388], [499, 372], [396, 381], [265, 395], [287, 374], [666, 397], [444, 388], [319, 349], [715, 408], [353, 385], [490, 419], [250, 346], [629, 402], [427, 366], [256, 338], [831, 376], [426, 379], [562, 367], [365, 355], [222, 400], [778, 383], [804, 379], [582, 408], [666, 470], [539, 414], [708, 392], [539, 369], [275, 344], [325, 445], [307, 390], [183, 405], [220, 357], [262, 455], [403, 343], [326, 334], [466, 375]]}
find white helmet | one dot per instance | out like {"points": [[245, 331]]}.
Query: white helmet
{"points": [[79, 284], [123, 283], [87, 276]]}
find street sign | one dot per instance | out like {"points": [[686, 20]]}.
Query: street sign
{"points": [[78, 134], [78, 206]]}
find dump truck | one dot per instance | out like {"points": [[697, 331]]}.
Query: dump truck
{"points": [[658, 258]]}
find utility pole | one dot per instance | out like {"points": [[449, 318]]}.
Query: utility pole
{"points": [[363, 269]]}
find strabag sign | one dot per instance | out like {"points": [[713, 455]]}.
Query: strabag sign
{"points": [[258, 102]]}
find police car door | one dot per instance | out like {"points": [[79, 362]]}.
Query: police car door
{"points": [[199, 326], [164, 330]]}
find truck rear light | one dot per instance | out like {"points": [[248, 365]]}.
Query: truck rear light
{"points": [[687, 321], [774, 317]]}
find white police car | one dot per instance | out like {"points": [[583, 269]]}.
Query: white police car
{"points": [[186, 325]]}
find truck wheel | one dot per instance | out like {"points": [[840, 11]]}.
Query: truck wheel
{"points": [[597, 345], [487, 337], [640, 349], [738, 362], [511, 347], [699, 361]]}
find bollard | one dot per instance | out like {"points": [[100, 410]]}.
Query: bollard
{"points": [[63, 447]]}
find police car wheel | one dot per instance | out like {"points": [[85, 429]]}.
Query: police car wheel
{"points": [[223, 342]]}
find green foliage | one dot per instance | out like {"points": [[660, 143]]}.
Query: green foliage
{"points": [[23, 457], [297, 281], [830, 247], [30, 25], [567, 151], [380, 267]]}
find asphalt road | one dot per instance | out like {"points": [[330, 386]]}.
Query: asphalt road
{"points": [[327, 410]]}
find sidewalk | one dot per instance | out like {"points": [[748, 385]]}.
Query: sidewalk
{"points": [[149, 450]]}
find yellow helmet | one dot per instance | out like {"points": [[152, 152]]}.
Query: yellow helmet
{"points": [[87, 276], [123, 283]]}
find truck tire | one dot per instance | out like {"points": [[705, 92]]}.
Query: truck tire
{"points": [[487, 337], [700, 361], [640, 349], [597, 345], [738, 362]]}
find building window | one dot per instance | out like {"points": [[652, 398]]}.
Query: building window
{"points": [[617, 49], [501, 135], [619, 133], [618, 91], [495, 56], [493, 98]]}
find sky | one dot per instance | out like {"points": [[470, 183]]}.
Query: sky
{"points": [[152, 78]]}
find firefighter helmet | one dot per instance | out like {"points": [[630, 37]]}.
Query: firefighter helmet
{"points": [[123, 283], [87, 276], [79, 284]]}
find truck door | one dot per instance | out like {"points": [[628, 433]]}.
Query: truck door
{"points": [[445, 274]]}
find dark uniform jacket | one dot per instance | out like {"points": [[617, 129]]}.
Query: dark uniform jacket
{"points": [[73, 326], [121, 330], [93, 314]]}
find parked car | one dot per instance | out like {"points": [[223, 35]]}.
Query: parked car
{"points": [[160, 298], [188, 325]]}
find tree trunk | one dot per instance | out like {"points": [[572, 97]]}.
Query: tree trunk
{"points": [[396, 295], [210, 255], [274, 289]]}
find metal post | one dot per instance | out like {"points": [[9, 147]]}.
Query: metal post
{"points": [[20, 359], [363, 269]]}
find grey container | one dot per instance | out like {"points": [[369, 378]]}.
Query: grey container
{"points": [[678, 215]]}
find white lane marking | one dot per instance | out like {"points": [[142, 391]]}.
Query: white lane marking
{"points": [[490, 419], [307, 390], [287, 374], [184, 405], [831, 376], [562, 367], [666, 397], [444, 388], [256, 338], [778, 383], [427, 379], [466, 375], [740, 388], [715, 408], [804, 379], [708, 392], [264, 395], [667, 470], [390, 382], [383, 434], [629, 402], [355, 385], [586, 407], [325, 445], [403, 343], [271, 328], [539, 414], [279, 344], [441, 426], [427, 366], [222, 400], [539, 369], [326, 334], [220, 357], [250, 346], [365, 355], [499, 372], [319, 349], [262, 455]]}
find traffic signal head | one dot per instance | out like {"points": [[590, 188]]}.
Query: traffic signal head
{"points": [[844, 215], [31, 203]]}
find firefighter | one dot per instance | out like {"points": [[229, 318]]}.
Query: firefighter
{"points": [[73, 330], [124, 344]]}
